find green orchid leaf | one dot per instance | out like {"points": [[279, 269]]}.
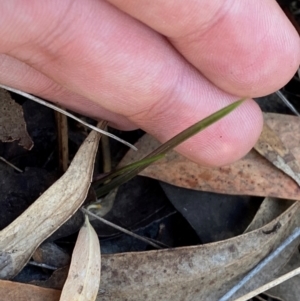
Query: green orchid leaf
{"points": [[167, 146], [129, 167]]}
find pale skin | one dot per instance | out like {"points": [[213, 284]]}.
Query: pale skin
{"points": [[157, 65]]}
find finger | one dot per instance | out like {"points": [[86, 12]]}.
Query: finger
{"points": [[114, 60], [244, 47], [23, 77]]}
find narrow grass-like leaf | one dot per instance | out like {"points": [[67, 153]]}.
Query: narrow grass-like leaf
{"points": [[60, 110], [169, 145], [129, 167]]}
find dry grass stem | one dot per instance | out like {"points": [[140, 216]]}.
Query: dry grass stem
{"points": [[10, 164], [269, 285], [144, 239], [63, 140], [53, 107]]}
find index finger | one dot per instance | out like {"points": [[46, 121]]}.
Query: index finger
{"points": [[244, 47]]}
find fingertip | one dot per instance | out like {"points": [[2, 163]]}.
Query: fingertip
{"points": [[228, 140]]}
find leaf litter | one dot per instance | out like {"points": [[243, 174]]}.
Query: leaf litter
{"points": [[252, 175], [57, 204], [198, 272], [191, 273]]}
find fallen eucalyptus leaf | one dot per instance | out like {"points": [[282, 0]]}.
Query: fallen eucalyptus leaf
{"points": [[271, 147], [289, 290], [83, 280], [14, 291], [203, 272], [57, 204], [12, 123], [253, 175], [255, 273], [193, 273], [269, 209]]}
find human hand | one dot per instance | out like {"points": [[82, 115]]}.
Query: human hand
{"points": [[158, 65]]}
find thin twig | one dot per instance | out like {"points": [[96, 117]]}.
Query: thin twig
{"points": [[261, 265], [11, 165], [63, 141], [53, 107], [106, 154], [144, 239], [287, 103], [42, 265], [269, 285]]}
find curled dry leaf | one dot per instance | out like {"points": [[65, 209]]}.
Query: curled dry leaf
{"points": [[269, 209], [83, 279], [194, 273], [253, 175], [57, 204], [12, 123], [272, 148], [289, 290]]}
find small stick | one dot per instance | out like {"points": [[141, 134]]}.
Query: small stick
{"points": [[121, 229], [271, 284], [53, 107], [11, 165], [287, 103], [106, 153], [42, 265], [261, 265], [63, 141]]}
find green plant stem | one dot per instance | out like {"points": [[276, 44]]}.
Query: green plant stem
{"points": [[169, 145]]}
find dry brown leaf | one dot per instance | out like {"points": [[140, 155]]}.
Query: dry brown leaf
{"points": [[13, 291], [252, 175], [83, 279], [12, 123], [271, 147], [269, 209], [57, 204], [193, 273], [197, 273]]}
